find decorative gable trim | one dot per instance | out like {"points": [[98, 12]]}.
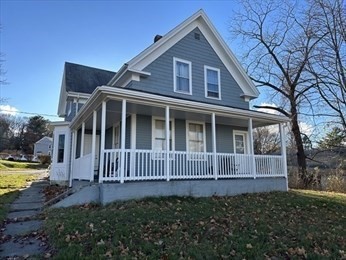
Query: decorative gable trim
{"points": [[202, 22]]}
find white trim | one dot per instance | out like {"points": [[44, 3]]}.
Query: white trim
{"points": [[93, 146], [206, 81], [103, 138], [82, 140], [133, 131], [246, 137], [175, 60], [188, 122], [123, 139], [213, 137], [175, 103], [171, 120]]}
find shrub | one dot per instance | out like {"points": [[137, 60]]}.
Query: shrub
{"points": [[45, 159], [336, 181]]}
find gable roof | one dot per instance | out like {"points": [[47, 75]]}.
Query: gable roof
{"points": [[200, 20], [45, 139], [81, 79], [84, 79]]}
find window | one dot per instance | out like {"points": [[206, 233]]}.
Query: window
{"points": [[61, 148], [240, 142], [212, 82], [159, 135], [195, 137], [182, 76]]}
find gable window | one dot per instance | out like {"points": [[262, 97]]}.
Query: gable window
{"points": [[212, 82], [195, 137], [182, 76], [159, 135], [240, 142], [61, 148]]}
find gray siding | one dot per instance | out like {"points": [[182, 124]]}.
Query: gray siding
{"points": [[180, 135], [128, 133], [109, 138], [200, 53], [143, 136], [224, 135], [72, 114]]}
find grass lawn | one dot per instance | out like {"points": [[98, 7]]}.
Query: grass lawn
{"points": [[10, 183], [15, 165], [297, 224]]}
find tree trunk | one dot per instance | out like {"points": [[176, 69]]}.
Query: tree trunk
{"points": [[301, 158]]}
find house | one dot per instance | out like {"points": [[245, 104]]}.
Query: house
{"points": [[174, 120], [44, 146]]}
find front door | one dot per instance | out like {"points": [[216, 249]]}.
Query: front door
{"points": [[242, 164]]}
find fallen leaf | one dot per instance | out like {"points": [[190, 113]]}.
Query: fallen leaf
{"points": [[249, 246], [101, 242]]}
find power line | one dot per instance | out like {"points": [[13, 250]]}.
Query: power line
{"points": [[27, 113]]}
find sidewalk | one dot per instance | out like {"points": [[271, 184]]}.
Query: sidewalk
{"points": [[21, 232]]}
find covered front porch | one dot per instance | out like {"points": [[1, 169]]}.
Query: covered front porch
{"points": [[120, 136]]}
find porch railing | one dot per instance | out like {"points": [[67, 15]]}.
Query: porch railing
{"points": [[151, 165]]}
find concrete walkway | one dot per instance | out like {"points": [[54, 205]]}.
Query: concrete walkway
{"points": [[22, 230]]}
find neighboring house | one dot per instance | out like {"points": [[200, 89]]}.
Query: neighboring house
{"points": [[44, 146], [174, 120]]}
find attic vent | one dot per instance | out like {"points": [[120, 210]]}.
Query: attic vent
{"points": [[157, 37], [197, 36]]}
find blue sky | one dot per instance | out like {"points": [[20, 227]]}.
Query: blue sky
{"points": [[37, 37]]}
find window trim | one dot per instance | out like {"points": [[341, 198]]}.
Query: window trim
{"points": [[246, 140], [206, 82], [171, 120], [188, 122], [175, 60], [63, 149]]}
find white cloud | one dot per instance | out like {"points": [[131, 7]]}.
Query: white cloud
{"points": [[305, 128], [267, 110], [8, 110]]}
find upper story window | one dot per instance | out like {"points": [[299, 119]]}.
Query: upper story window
{"points": [[212, 82], [182, 76]]}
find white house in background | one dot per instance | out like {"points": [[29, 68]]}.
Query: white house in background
{"points": [[44, 146], [174, 120]]}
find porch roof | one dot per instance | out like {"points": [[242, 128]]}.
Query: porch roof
{"points": [[106, 93]]}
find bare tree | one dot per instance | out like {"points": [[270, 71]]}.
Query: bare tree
{"points": [[266, 140], [328, 64], [280, 42]]}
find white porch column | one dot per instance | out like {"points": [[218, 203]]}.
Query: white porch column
{"points": [[133, 144], [167, 143], [123, 134], [213, 135], [93, 146], [251, 148], [73, 156], [82, 140], [103, 138], [283, 148]]}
